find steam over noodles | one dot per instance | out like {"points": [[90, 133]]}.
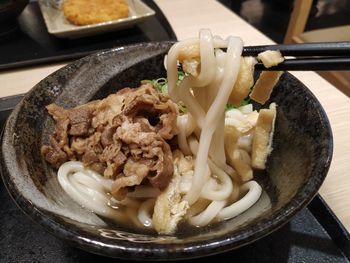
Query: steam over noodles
{"points": [[190, 160]]}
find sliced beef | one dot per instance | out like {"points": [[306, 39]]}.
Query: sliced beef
{"points": [[164, 167], [150, 149], [123, 137], [107, 135], [53, 153], [156, 108], [166, 127], [80, 120], [134, 173]]}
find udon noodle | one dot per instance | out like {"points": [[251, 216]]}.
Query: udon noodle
{"points": [[213, 162]]}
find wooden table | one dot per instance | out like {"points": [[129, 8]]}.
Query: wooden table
{"points": [[186, 18]]}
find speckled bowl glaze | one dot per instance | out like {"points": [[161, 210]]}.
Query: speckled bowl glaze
{"points": [[296, 169]]}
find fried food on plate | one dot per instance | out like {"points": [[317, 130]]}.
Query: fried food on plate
{"points": [[86, 12]]}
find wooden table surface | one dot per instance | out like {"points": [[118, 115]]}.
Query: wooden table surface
{"points": [[186, 18]]}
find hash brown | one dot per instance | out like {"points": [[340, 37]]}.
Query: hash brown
{"points": [[86, 12]]}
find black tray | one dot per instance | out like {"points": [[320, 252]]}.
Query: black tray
{"points": [[314, 235], [31, 44]]}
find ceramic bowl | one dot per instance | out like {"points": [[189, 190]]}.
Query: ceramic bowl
{"points": [[11, 9], [296, 168]]}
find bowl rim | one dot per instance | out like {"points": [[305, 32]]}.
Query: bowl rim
{"points": [[187, 250]]}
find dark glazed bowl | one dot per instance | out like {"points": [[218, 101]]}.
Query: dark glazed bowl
{"points": [[10, 9], [296, 169]]}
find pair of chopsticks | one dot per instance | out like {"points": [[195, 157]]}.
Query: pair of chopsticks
{"points": [[308, 56]]}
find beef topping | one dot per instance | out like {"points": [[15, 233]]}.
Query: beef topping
{"points": [[123, 136]]}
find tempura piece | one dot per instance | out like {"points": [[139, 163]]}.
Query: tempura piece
{"points": [[270, 58], [244, 82], [264, 86], [262, 141], [83, 12]]}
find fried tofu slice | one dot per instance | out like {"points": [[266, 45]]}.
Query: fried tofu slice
{"points": [[237, 158], [270, 58], [189, 52], [263, 135], [242, 165], [189, 57], [242, 122], [244, 82], [169, 208], [231, 136], [268, 79], [264, 85], [191, 66]]}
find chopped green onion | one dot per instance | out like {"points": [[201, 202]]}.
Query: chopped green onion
{"points": [[244, 102], [161, 84], [182, 107], [229, 106]]}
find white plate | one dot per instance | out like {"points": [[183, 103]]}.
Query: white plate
{"points": [[58, 25]]}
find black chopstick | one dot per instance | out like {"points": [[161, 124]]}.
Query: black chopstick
{"points": [[305, 49], [308, 56], [303, 64]]}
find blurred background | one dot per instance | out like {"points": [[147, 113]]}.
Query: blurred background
{"points": [[284, 21], [300, 21], [272, 16]]}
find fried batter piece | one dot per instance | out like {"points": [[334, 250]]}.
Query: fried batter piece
{"points": [[86, 12]]}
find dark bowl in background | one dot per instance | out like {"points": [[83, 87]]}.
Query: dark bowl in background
{"points": [[296, 168], [9, 11]]}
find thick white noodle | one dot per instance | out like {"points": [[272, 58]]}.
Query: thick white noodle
{"points": [[217, 151], [216, 109], [186, 126], [208, 59], [206, 216], [190, 101], [227, 169], [85, 180], [78, 183], [132, 214], [243, 204], [145, 213], [217, 191], [193, 143], [172, 60], [204, 97], [172, 66]]}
